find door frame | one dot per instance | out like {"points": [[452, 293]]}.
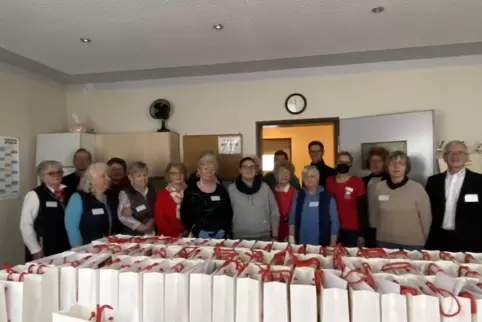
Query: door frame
{"points": [[335, 121], [286, 139]]}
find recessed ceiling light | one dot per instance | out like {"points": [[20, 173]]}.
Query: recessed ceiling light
{"points": [[378, 10], [85, 40], [218, 26]]}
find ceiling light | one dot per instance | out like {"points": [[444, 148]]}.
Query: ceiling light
{"points": [[378, 10], [218, 26], [85, 40]]}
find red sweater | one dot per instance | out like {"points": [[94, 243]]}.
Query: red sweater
{"points": [[165, 215], [284, 200]]}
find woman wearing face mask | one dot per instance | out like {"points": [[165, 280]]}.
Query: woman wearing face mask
{"points": [[136, 202], [91, 212], [376, 163], [206, 209], [349, 193], [284, 193], [255, 212]]}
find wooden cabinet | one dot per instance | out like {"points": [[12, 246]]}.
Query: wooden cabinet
{"points": [[155, 149]]}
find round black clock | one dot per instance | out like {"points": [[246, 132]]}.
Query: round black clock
{"points": [[296, 104]]}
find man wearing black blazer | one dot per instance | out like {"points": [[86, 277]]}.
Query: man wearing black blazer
{"points": [[456, 201]]}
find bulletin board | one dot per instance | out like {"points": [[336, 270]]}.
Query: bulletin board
{"points": [[228, 158]]}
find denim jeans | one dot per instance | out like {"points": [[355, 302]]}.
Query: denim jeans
{"points": [[398, 246]]}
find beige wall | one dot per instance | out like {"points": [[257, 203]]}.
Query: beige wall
{"points": [[216, 108], [28, 106]]}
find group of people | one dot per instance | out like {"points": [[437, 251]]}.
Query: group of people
{"points": [[384, 209]]}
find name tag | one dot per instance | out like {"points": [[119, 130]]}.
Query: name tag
{"points": [[215, 198], [51, 204], [98, 211], [141, 208], [313, 204], [383, 198], [472, 198]]}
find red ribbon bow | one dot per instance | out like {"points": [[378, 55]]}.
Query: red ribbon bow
{"points": [[99, 310]]}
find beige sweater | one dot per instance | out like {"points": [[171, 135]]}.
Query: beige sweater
{"points": [[404, 214]]}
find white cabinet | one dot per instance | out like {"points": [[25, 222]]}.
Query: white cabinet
{"points": [[62, 146]]}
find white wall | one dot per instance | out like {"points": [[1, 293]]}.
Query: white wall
{"points": [[29, 105], [234, 106]]}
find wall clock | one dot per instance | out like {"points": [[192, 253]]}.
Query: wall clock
{"points": [[296, 104]]}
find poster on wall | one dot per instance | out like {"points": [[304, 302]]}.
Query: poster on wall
{"points": [[9, 168], [229, 144]]}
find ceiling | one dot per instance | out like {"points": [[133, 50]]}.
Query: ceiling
{"points": [[141, 39]]}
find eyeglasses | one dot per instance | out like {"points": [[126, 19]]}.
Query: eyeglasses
{"points": [[248, 167], [457, 153], [55, 173], [175, 173]]}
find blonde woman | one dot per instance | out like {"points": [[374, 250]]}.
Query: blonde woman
{"points": [[284, 193], [206, 209], [92, 212], [167, 208], [194, 178]]}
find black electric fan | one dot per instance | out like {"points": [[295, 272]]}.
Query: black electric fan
{"points": [[161, 110]]}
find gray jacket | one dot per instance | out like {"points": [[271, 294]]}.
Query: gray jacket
{"points": [[253, 215]]}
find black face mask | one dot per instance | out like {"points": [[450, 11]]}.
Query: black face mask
{"points": [[342, 168]]}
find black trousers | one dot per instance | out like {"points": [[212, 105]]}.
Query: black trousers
{"points": [[371, 238]]}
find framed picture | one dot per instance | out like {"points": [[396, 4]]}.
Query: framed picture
{"points": [[390, 146]]}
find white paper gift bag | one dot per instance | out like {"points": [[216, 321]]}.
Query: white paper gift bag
{"points": [[130, 297], [79, 313], [176, 299], [275, 294], [263, 245], [249, 294], [393, 304], [153, 295], [364, 301], [224, 299], [13, 283], [334, 298], [3, 303], [88, 286], [305, 287], [201, 292]]}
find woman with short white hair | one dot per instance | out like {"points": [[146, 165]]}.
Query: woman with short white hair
{"points": [[92, 211], [42, 216], [313, 217]]}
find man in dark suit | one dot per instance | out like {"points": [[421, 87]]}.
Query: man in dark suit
{"points": [[82, 160], [317, 150], [456, 201]]}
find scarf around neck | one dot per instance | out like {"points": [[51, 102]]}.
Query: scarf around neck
{"points": [[249, 190], [394, 186], [177, 196]]}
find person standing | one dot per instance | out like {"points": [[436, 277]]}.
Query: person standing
{"points": [[313, 216], [42, 216], [136, 202], [206, 209], [82, 160], [456, 200], [351, 202], [91, 213], [255, 212], [167, 208], [317, 150], [284, 194], [404, 207], [376, 163], [270, 177], [118, 174]]}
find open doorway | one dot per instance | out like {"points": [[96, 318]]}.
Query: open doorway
{"points": [[275, 135]]}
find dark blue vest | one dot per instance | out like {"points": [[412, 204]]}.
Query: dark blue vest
{"points": [[324, 221], [97, 218]]}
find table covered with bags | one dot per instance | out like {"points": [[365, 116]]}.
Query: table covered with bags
{"points": [[156, 279]]}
